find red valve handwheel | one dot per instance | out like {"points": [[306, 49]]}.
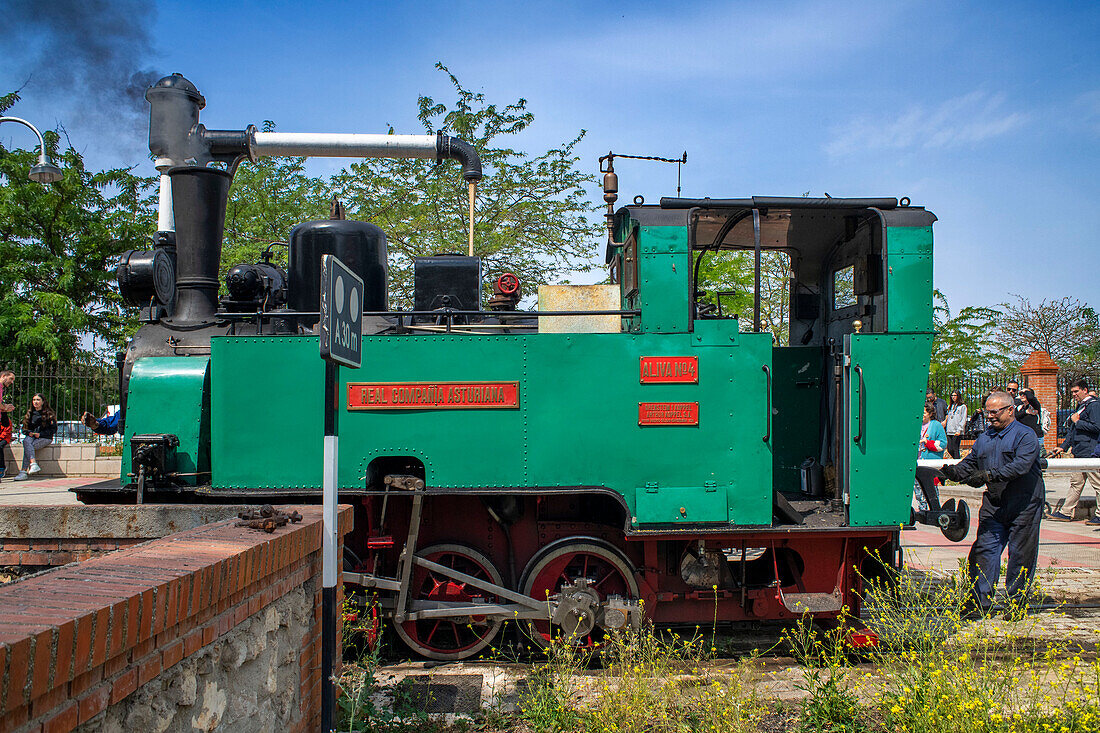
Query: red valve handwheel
{"points": [[508, 283]]}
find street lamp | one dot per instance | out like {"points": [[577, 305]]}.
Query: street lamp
{"points": [[45, 171]]}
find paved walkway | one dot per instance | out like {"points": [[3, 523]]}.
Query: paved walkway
{"points": [[1069, 552], [42, 491]]}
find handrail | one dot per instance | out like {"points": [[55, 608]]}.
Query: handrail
{"points": [[768, 419], [1052, 465], [860, 415]]}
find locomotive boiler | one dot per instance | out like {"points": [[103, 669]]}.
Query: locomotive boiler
{"points": [[627, 452]]}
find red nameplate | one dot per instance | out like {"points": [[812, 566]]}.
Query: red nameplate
{"points": [[668, 413], [432, 395], [670, 370]]}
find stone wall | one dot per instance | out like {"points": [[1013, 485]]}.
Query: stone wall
{"points": [[212, 628], [65, 459], [250, 679]]}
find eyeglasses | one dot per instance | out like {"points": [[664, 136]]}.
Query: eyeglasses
{"points": [[998, 411]]}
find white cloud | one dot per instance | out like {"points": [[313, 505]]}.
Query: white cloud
{"points": [[958, 122], [1086, 108], [719, 42]]}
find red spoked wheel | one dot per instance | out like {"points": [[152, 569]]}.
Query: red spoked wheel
{"points": [[508, 283], [455, 637], [562, 564]]}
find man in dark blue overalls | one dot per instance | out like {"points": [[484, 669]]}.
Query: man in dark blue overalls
{"points": [[1004, 459]]}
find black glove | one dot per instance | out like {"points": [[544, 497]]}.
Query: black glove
{"points": [[951, 472], [978, 479]]}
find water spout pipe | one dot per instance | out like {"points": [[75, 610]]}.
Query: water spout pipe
{"points": [[357, 145]]}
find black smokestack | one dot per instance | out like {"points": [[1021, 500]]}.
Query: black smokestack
{"points": [[199, 197], [90, 53]]}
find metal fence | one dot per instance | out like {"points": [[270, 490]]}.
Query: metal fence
{"points": [[973, 387], [1066, 403], [977, 386], [70, 389]]}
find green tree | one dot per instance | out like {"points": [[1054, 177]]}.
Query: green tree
{"points": [[731, 272], [965, 344], [268, 199], [1068, 329], [533, 216], [57, 247]]}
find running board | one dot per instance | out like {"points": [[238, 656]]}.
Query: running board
{"points": [[812, 602]]}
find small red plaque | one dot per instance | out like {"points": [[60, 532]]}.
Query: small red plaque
{"points": [[670, 370], [433, 395], [668, 413]]}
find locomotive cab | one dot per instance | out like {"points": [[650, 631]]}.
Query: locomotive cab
{"points": [[841, 291]]}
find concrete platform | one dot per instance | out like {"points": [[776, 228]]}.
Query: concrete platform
{"points": [[39, 491]]}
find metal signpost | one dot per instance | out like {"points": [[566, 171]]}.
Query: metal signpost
{"points": [[341, 343]]}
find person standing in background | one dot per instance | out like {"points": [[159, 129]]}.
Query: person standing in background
{"points": [[932, 443], [978, 421], [955, 425], [1030, 412], [939, 407], [5, 440], [1027, 406], [7, 379], [1082, 439]]}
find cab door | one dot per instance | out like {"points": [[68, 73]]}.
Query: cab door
{"points": [[884, 383]]}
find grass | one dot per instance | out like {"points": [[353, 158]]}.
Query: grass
{"points": [[640, 681], [933, 671]]}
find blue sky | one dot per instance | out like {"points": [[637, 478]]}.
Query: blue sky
{"points": [[987, 114]]}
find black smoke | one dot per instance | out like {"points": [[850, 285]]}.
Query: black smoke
{"points": [[87, 60]]}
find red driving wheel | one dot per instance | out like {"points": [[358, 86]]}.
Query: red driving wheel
{"points": [[457, 637], [607, 571]]}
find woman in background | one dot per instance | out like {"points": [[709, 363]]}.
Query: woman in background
{"points": [[955, 424], [5, 440], [39, 426], [933, 441]]}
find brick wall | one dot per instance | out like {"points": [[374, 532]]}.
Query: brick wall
{"points": [[39, 553], [1040, 373], [81, 643], [33, 537]]}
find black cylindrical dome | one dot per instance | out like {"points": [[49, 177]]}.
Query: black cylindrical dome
{"points": [[359, 245]]}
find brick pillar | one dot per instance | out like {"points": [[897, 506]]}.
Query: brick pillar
{"points": [[1040, 373]]}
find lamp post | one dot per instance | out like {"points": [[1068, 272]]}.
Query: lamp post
{"points": [[45, 171]]}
